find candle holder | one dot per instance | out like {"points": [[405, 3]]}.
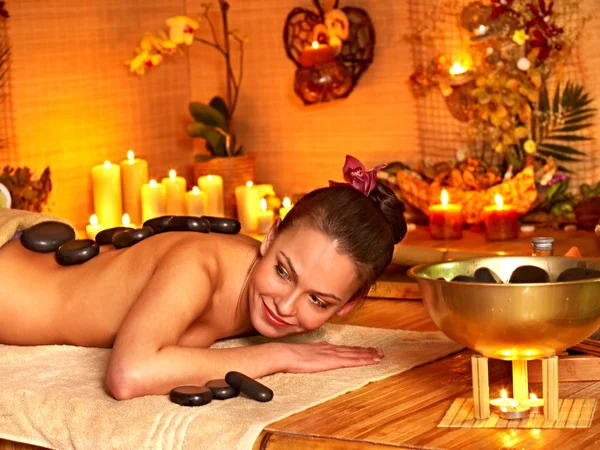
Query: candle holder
{"points": [[501, 222]]}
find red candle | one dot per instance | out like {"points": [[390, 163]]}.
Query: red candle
{"points": [[501, 221], [445, 220], [316, 54]]}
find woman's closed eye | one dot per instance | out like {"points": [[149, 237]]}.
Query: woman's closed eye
{"points": [[282, 272], [318, 302]]}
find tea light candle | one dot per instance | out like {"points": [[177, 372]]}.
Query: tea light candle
{"points": [[195, 201], [93, 228], [501, 221], [174, 193], [316, 54], [106, 182], [445, 220], [286, 205], [247, 202], [514, 411], [457, 69], [134, 172], [535, 404], [502, 402], [126, 221], [265, 218], [153, 200], [212, 186], [480, 30]]}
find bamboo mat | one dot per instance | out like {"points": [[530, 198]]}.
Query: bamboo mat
{"points": [[573, 413]]}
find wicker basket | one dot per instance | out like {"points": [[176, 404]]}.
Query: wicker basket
{"points": [[235, 171]]}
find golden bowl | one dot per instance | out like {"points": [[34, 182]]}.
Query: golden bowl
{"points": [[511, 321]]}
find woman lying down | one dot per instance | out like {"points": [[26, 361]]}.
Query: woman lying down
{"points": [[162, 303]]}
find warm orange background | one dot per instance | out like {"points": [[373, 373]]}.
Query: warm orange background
{"points": [[74, 104]]}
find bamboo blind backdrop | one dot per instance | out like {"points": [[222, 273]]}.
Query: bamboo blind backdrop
{"points": [[74, 104]]}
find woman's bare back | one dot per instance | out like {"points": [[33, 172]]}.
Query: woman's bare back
{"points": [[44, 303]]}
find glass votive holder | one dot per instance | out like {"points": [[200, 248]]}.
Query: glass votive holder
{"points": [[445, 222]]}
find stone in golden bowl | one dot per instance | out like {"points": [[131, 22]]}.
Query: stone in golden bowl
{"points": [[511, 321]]}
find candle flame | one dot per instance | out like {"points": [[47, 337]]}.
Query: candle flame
{"points": [[249, 184], [513, 404], [315, 44], [126, 220], [499, 201], [130, 156], [503, 394], [286, 202], [152, 183], [533, 397], [444, 198], [263, 204], [172, 174], [195, 190], [107, 164], [94, 220], [481, 30], [209, 177], [457, 69]]}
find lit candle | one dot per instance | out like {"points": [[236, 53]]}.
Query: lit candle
{"points": [[126, 221], [153, 200], [316, 54], [106, 182], [247, 203], [502, 402], [174, 193], [93, 228], [536, 404], [286, 205], [457, 69], [480, 30], [265, 218], [195, 201], [445, 220], [501, 221], [212, 186], [135, 174], [514, 411]]}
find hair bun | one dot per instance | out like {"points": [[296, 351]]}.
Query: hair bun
{"points": [[392, 208]]}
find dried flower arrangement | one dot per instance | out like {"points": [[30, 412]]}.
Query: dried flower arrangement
{"points": [[27, 192]]}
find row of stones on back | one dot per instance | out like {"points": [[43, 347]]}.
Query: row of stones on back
{"points": [[529, 274], [58, 237]]}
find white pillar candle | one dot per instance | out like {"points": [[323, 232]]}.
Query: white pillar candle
{"points": [[195, 201], [286, 205], [134, 172], [174, 193], [153, 200], [93, 228], [106, 182], [212, 186], [265, 218], [247, 202]]}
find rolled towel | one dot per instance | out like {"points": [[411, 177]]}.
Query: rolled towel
{"points": [[12, 221]]}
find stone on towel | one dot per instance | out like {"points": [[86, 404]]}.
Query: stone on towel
{"points": [[221, 390], [190, 395], [249, 386], [46, 237], [77, 252]]}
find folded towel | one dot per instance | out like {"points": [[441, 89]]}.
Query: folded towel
{"points": [[53, 396], [14, 220]]}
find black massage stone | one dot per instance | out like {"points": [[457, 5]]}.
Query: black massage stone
{"points": [[188, 223], [465, 279], [190, 395], [578, 273], [127, 238], [46, 237], [221, 390], [485, 275], [158, 224], [529, 274], [223, 225], [249, 386], [77, 252], [105, 236]]}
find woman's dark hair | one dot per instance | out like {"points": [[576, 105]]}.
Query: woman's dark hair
{"points": [[364, 228]]}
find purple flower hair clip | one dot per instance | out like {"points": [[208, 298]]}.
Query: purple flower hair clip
{"points": [[357, 176]]}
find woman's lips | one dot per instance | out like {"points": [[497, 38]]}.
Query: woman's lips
{"points": [[272, 318]]}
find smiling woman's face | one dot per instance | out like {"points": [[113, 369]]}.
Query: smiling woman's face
{"points": [[300, 282]]}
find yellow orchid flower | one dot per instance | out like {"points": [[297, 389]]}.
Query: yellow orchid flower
{"points": [[520, 37], [529, 146], [143, 60], [181, 29]]}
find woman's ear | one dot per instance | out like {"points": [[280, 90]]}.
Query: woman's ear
{"points": [[270, 237], [345, 310]]}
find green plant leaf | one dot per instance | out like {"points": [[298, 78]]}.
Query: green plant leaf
{"points": [[571, 128], [568, 137], [578, 119], [560, 149], [207, 115], [202, 158], [558, 156], [212, 136], [219, 104]]}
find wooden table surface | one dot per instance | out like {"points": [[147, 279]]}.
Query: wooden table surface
{"points": [[403, 411]]}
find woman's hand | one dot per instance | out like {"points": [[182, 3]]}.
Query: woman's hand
{"points": [[308, 358]]}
